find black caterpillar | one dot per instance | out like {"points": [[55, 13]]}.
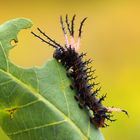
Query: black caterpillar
{"points": [[81, 74]]}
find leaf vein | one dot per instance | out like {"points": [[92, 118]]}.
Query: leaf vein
{"points": [[5, 82], [45, 101], [37, 127], [63, 91], [7, 65]]}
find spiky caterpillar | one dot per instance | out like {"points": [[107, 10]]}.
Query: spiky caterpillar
{"points": [[80, 73]]}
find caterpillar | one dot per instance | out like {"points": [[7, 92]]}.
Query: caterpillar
{"points": [[80, 73]]}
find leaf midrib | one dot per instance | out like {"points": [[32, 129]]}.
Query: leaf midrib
{"points": [[45, 101]]}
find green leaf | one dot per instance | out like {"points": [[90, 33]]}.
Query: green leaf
{"points": [[37, 103]]}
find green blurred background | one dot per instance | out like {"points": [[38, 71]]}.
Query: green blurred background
{"points": [[111, 37]]}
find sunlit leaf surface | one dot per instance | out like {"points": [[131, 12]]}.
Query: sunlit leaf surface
{"points": [[37, 103]]}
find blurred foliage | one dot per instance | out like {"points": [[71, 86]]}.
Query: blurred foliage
{"points": [[111, 37]]}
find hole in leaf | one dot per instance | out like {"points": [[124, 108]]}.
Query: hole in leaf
{"points": [[29, 51], [14, 43]]}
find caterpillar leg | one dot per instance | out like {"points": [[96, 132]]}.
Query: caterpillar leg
{"points": [[72, 87]]}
